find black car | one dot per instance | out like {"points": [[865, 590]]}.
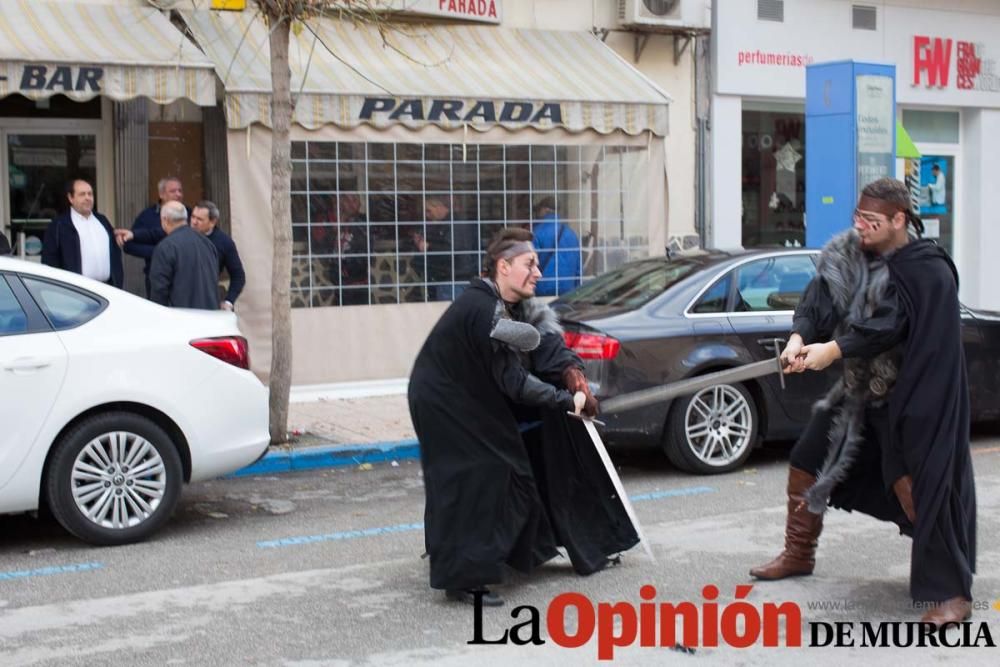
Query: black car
{"points": [[660, 320]]}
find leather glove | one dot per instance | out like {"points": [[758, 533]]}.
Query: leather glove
{"points": [[574, 380]]}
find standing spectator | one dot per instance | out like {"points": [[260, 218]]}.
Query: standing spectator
{"points": [[147, 229], [445, 238], [558, 251], [82, 240], [4, 245], [184, 271], [204, 218]]}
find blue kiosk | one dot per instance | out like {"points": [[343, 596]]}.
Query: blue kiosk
{"points": [[851, 140]]}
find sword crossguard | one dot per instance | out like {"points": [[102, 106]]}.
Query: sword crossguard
{"points": [[585, 419]]}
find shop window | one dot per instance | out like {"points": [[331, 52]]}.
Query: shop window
{"points": [[385, 223], [39, 165], [935, 127], [774, 178]]}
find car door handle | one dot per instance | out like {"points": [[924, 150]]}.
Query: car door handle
{"points": [[27, 364], [771, 343], [775, 345]]}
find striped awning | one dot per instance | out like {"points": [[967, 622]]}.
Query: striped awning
{"points": [[121, 49], [451, 76]]}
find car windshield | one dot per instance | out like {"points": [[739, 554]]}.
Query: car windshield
{"points": [[632, 285]]}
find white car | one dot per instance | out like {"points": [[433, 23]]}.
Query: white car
{"points": [[109, 402]]}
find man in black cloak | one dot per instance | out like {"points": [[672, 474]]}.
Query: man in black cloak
{"points": [[891, 439], [498, 494]]}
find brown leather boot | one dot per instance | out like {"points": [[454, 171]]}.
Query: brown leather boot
{"points": [[904, 491], [802, 529], [954, 610]]}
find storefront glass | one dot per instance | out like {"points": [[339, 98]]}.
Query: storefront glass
{"points": [[38, 167], [774, 178], [384, 223]]}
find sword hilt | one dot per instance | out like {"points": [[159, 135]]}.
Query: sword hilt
{"points": [[781, 362]]}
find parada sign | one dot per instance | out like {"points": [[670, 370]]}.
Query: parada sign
{"points": [[481, 11], [464, 111]]}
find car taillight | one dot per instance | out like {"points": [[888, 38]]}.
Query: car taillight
{"points": [[230, 349], [592, 346]]}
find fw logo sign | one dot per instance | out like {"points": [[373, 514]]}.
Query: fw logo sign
{"points": [[931, 60]]}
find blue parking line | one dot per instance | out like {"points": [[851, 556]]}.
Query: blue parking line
{"points": [[672, 493], [408, 527], [54, 569], [342, 535]]}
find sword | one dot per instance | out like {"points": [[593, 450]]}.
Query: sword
{"points": [[615, 481], [644, 397]]}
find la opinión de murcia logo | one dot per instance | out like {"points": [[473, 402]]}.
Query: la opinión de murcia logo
{"points": [[572, 620], [932, 64]]}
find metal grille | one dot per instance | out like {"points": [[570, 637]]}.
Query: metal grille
{"points": [[660, 7], [864, 18], [360, 215], [771, 10]]}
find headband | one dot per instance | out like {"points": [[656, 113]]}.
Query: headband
{"points": [[886, 208], [518, 248]]}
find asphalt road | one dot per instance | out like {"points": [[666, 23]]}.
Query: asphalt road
{"points": [[324, 568]]}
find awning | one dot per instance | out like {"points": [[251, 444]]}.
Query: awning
{"points": [[121, 49], [446, 75], [905, 147]]}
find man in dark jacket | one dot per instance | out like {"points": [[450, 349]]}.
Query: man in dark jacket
{"points": [[184, 272], [82, 240], [891, 439], [204, 219], [4, 245], [497, 497], [146, 227]]}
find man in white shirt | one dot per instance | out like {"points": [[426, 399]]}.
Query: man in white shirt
{"points": [[82, 240], [936, 188]]}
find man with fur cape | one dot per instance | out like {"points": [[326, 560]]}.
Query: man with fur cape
{"points": [[500, 494], [891, 439]]}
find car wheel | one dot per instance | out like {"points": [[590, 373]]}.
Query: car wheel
{"points": [[712, 431], [114, 478]]}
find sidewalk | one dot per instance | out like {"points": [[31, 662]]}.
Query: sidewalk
{"points": [[342, 432]]}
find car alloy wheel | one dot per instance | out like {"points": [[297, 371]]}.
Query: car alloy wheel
{"points": [[118, 480], [713, 431], [718, 425], [114, 478]]}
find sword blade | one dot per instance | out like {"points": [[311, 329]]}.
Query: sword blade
{"points": [[644, 397], [617, 483]]}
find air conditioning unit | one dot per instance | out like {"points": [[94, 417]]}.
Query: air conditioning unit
{"points": [[665, 15]]}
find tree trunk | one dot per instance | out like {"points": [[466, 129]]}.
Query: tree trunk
{"points": [[281, 221]]}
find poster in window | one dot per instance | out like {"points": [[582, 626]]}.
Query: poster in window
{"points": [[937, 208]]}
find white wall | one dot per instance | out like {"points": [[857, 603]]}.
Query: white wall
{"points": [[981, 168], [725, 229], [656, 62], [820, 30]]}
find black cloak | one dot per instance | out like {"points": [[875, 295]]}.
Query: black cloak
{"points": [[927, 429], [929, 423], [489, 503]]}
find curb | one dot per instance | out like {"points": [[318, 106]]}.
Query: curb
{"points": [[285, 459]]}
